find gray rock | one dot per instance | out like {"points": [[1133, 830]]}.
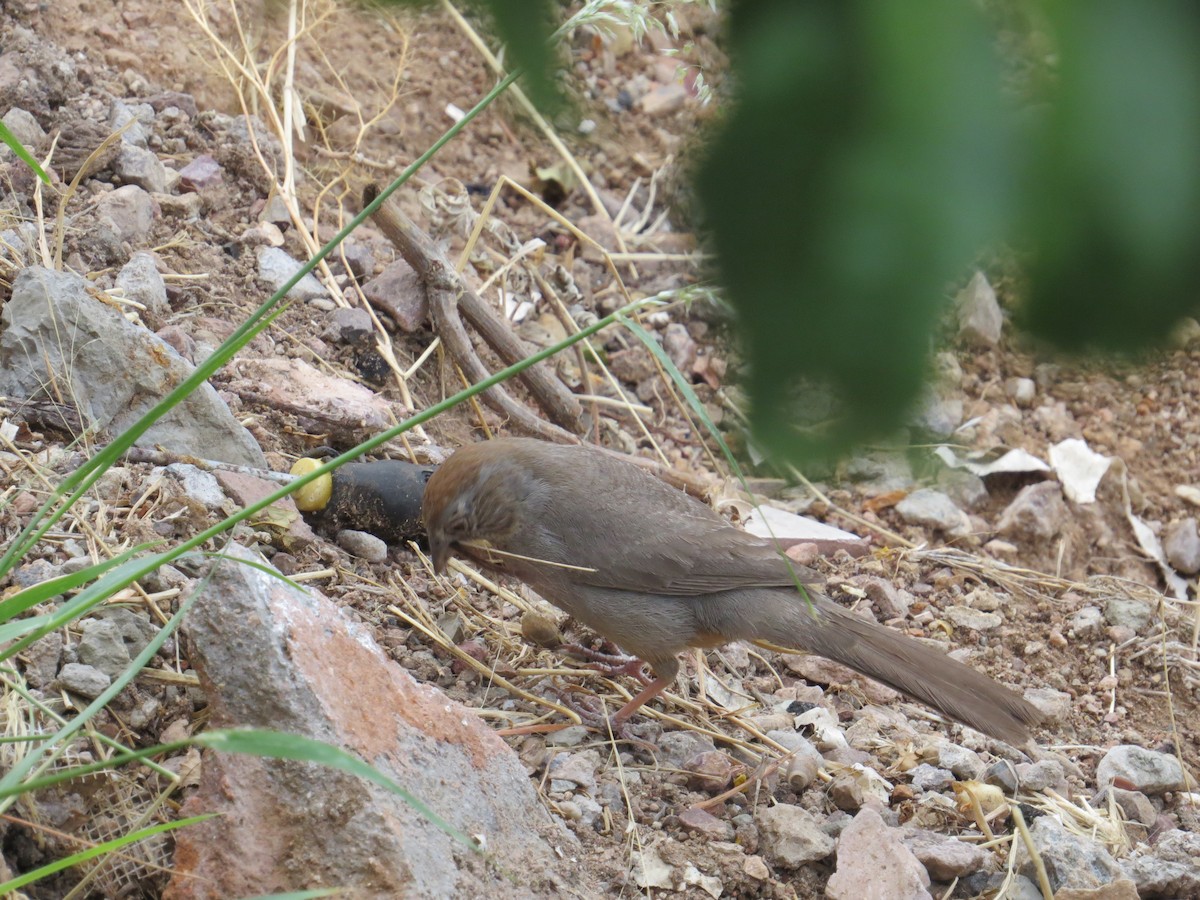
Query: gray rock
{"points": [[1018, 887], [676, 747], [966, 489], [1071, 861], [938, 415], [933, 509], [1135, 805], [1087, 623], [201, 173], [363, 545], [112, 368], [135, 628], [349, 326], [980, 319], [1128, 613], [137, 118], [35, 572], [1148, 771], [358, 258], [25, 128], [791, 836], [42, 658], [1042, 775], [1171, 868], [399, 292], [86, 681], [974, 619], [891, 602], [680, 347], [139, 166], [1022, 391], [1037, 513], [1055, 705], [17, 244], [571, 736], [140, 282], [945, 858], [931, 778], [130, 212], [966, 764], [305, 653], [1003, 774], [102, 647], [880, 472], [1182, 546], [874, 864], [574, 771], [198, 484], [275, 268]]}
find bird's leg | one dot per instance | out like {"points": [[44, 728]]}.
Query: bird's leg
{"points": [[649, 692], [665, 671], [610, 664]]}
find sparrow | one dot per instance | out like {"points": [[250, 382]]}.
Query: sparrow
{"points": [[657, 571]]}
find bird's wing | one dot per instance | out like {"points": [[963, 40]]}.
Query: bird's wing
{"points": [[679, 546]]}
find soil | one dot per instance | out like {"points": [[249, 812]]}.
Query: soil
{"points": [[403, 73]]}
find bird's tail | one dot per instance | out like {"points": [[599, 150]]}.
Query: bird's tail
{"points": [[783, 617]]}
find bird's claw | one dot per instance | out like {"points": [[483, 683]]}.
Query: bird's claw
{"points": [[593, 714], [610, 664]]}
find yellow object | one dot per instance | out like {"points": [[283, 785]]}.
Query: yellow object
{"points": [[315, 494]]}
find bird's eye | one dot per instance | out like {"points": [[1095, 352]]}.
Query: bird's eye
{"points": [[457, 523]]}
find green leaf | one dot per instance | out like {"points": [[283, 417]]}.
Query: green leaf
{"points": [[1113, 191], [525, 27], [25, 156], [864, 164]]}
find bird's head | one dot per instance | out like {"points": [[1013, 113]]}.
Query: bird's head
{"points": [[474, 497]]}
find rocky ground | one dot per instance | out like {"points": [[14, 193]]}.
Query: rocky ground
{"points": [[1037, 520]]}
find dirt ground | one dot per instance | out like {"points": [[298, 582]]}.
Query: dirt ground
{"points": [[402, 74]]}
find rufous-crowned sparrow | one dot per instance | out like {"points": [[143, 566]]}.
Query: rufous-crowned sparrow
{"points": [[656, 571]]}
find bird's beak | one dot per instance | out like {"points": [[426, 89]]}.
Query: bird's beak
{"points": [[439, 549]]}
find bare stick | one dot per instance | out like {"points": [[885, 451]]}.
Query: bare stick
{"points": [[447, 295]]}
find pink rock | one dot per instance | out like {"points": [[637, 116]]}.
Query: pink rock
{"points": [[873, 864], [270, 656], [202, 172]]}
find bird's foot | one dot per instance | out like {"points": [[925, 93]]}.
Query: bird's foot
{"points": [[593, 713], [610, 664]]}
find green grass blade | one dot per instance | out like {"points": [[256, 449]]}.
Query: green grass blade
{"points": [[39, 593], [25, 156]]}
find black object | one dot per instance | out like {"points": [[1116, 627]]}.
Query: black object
{"points": [[382, 498]]}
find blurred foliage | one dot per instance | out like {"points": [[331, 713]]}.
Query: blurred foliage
{"points": [[1111, 192], [859, 170], [869, 151], [873, 149]]}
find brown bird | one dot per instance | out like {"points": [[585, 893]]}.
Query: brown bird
{"points": [[656, 571]]}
